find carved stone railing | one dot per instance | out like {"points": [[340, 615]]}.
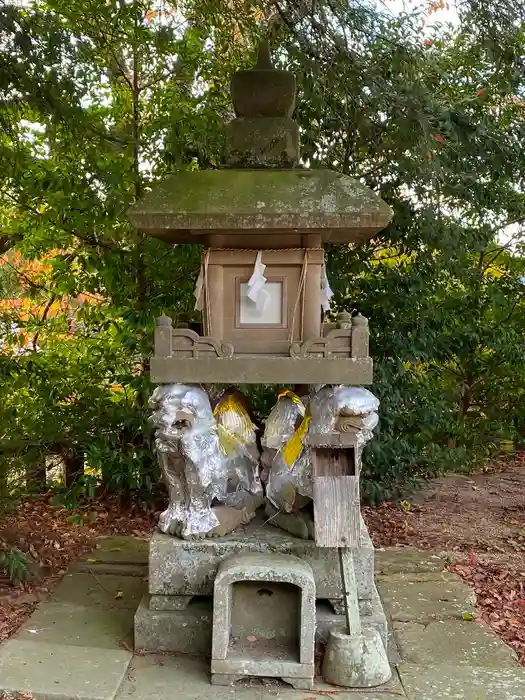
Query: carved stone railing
{"points": [[343, 340], [340, 356], [185, 343]]}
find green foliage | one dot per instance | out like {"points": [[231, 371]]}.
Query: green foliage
{"points": [[99, 101], [16, 565]]}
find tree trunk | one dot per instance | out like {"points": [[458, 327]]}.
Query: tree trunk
{"points": [[4, 488], [73, 466], [36, 477]]}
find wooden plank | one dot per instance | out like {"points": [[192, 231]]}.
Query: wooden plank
{"points": [[353, 621], [281, 258], [336, 511]]}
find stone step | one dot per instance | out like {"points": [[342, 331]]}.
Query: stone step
{"points": [[120, 555]]}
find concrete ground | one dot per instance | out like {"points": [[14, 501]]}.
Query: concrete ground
{"points": [[79, 643]]}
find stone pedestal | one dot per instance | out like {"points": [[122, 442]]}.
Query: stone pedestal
{"points": [[188, 568], [177, 614]]}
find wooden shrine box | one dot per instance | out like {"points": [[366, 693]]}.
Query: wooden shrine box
{"points": [[293, 309]]}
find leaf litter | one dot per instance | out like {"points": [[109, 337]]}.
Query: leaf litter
{"points": [[478, 521], [46, 533]]}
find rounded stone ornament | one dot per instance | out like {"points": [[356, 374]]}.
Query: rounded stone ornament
{"points": [[263, 91], [344, 320], [359, 320]]}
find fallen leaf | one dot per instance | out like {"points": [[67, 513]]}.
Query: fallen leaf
{"points": [[119, 595]]}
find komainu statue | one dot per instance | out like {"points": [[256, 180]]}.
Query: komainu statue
{"points": [[287, 470], [209, 460], [286, 458]]}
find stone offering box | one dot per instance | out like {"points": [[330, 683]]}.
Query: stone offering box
{"points": [[286, 648]]}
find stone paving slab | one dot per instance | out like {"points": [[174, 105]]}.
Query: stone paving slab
{"points": [[120, 549], [464, 643], [445, 682], [420, 576], [61, 672], [407, 561], [77, 625], [389, 691], [409, 600], [159, 677], [101, 591]]}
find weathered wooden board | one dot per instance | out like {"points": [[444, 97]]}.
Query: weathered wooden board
{"points": [[353, 621], [336, 511]]}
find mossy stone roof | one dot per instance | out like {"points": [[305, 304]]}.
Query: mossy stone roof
{"points": [[190, 204]]}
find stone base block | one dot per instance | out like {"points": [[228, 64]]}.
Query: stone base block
{"points": [[229, 671], [190, 630], [185, 631], [185, 568], [169, 602], [267, 142]]}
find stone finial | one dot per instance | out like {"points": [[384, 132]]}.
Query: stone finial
{"points": [[344, 320], [264, 135], [163, 320], [263, 91], [359, 320], [264, 57]]}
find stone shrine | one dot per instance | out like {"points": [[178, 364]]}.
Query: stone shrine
{"points": [[275, 518]]}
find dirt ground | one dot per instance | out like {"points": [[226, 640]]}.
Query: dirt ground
{"points": [[478, 520]]}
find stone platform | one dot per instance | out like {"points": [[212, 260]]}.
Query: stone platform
{"points": [[177, 614], [187, 568], [78, 644]]}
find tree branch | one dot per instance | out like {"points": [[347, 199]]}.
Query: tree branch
{"points": [[42, 320]]}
